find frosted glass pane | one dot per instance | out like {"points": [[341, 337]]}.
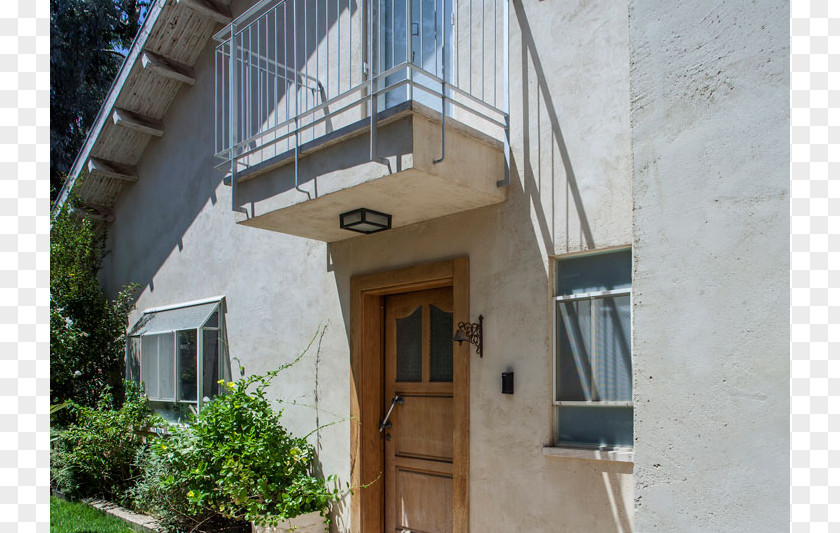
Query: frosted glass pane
{"points": [[574, 367], [596, 272], [605, 426], [166, 366], [440, 345], [149, 365], [187, 371], [410, 347], [613, 379], [210, 363]]}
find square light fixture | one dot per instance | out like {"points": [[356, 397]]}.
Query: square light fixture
{"points": [[364, 220]]}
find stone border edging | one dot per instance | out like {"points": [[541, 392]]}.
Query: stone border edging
{"points": [[137, 521]]}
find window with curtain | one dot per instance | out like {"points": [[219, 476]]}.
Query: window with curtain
{"points": [[593, 369], [176, 354]]}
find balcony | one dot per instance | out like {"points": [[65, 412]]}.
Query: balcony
{"points": [[324, 106]]}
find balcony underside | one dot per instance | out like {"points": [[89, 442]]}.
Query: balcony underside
{"points": [[337, 175]]}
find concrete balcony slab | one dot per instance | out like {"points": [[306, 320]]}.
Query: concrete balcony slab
{"points": [[335, 175]]}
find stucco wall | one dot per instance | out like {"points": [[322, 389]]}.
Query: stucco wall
{"points": [[571, 190], [710, 231]]}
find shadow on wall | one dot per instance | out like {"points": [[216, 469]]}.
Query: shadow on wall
{"points": [[183, 182], [533, 182], [178, 169], [538, 191], [507, 245]]}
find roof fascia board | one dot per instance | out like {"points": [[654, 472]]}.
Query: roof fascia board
{"points": [[134, 53]]}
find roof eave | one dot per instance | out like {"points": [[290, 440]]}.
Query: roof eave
{"points": [[134, 54]]}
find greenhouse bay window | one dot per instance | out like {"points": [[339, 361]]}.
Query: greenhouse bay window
{"points": [[177, 354]]}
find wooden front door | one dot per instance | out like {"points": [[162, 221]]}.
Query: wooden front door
{"points": [[418, 437]]}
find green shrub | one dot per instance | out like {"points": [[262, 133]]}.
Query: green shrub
{"points": [[87, 330], [95, 456], [235, 461], [161, 489]]}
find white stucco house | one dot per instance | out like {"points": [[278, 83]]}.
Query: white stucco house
{"points": [[594, 194]]}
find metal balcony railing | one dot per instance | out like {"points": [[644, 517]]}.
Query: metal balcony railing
{"points": [[291, 71]]}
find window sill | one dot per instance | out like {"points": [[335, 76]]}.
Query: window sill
{"points": [[615, 454]]}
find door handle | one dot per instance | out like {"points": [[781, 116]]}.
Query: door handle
{"points": [[394, 401]]}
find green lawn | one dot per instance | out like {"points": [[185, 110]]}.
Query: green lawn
{"points": [[72, 517]]}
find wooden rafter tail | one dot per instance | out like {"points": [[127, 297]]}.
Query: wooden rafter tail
{"points": [[167, 68], [209, 9], [113, 170], [133, 121]]}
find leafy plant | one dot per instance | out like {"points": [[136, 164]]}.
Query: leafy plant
{"points": [[96, 454], [87, 331], [161, 489], [236, 461]]}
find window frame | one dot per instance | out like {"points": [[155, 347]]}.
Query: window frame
{"points": [[593, 295], [199, 353], [558, 447]]}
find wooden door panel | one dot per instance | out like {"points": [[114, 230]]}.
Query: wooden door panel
{"points": [[423, 427], [420, 499], [419, 444]]}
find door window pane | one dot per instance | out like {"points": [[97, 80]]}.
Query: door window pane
{"points": [[188, 383], [440, 344], [410, 347]]}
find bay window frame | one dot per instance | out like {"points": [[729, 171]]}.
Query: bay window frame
{"points": [[221, 370]]}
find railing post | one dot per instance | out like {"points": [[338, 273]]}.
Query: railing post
{"points": [[232, 119], [371, 73], [409, 42], [506, 92], [442, 84], [297, 110]]}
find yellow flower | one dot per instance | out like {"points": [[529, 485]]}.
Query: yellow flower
{"points": [[191, 494], [220, 381]]}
